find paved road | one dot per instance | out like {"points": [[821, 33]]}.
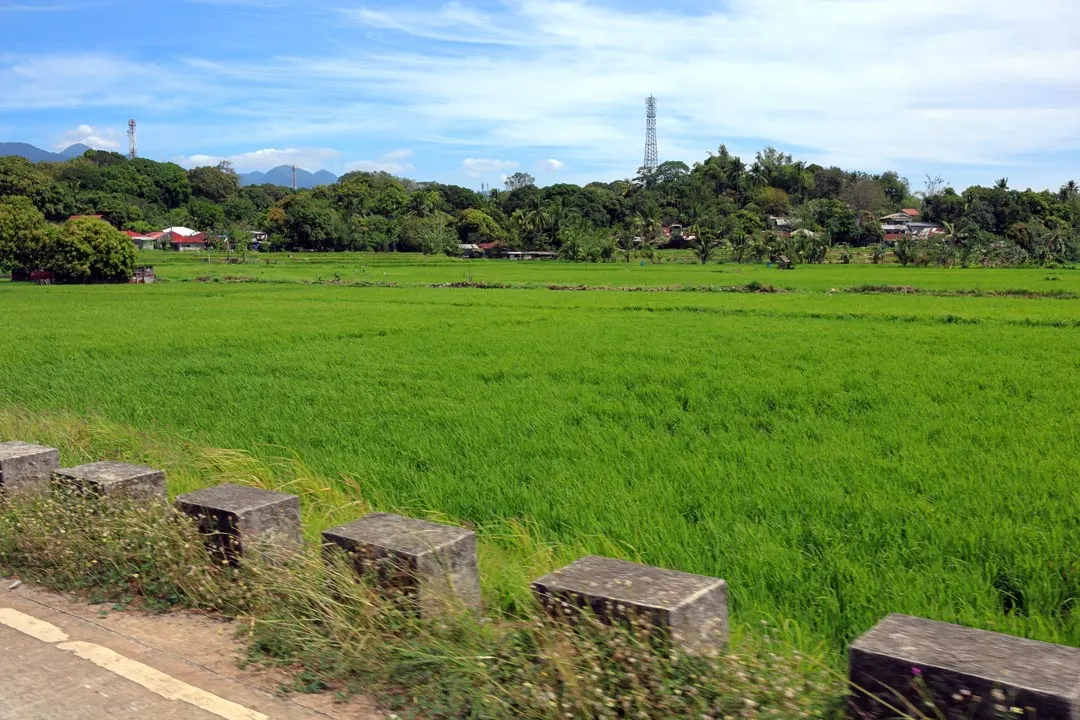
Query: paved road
{"points": [[61, 660]]}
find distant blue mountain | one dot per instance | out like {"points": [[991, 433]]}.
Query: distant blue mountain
{"points": [[36, 154], [282, 175]]}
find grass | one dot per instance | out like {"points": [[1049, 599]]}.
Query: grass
{"points": [[834, 456], [674, 269], [338, 633]]}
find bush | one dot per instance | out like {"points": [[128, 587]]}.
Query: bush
{"points": [[90, 250]]}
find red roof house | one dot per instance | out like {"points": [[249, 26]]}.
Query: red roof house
{"points": [[187, 244]]}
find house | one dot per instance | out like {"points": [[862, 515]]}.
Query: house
{"points": [[925, 229], [532, 255], [180, 231], [142, 241], [491, 250], [192, 243], [470, 250]]}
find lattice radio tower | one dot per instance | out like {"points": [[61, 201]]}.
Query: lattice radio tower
{"points": [[294, 177], [133, 148], [651, 158]]}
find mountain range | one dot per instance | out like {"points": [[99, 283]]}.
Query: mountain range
{"points": [[281, 175], [36, 154]]}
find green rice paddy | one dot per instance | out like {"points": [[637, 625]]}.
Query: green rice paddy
{"points": [[835, 456]]}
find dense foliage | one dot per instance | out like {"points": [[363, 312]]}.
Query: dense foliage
{"points": [[725, 205], [84, 249]]}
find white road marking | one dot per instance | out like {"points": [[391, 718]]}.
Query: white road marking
{"points": [[158, 682], [153, 680], [30, 625]]}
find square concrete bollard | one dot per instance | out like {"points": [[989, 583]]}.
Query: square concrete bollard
{"points": [[691, 609], [24, 466], [429, 563], [116, 479], [904, 661], [238, 518]]}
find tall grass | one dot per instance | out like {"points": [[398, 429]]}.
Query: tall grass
{"points": [[314, 615], [834, 457]]}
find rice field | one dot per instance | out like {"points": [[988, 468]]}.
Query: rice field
{"points": [[835, 456]]}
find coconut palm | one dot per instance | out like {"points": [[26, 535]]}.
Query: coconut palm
{"points": [[1055, 240], [1069, 191]]}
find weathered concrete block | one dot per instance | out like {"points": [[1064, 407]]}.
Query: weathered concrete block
{"points": [[25, 466], [966, 673], [427, 562], [237, 516], [691, 609], [115, 479]]}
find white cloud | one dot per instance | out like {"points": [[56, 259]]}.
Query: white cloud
{"points": [[97, 138], [554, 165], [864, 83], [391, 162], [475, 167], [306, 158]]}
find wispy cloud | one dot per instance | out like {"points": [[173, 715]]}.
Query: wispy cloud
{"points": [[392, 162], [97, 138], [479, 167], [864, 83], [306, 158]]}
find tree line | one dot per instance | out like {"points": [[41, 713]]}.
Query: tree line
{"points": [[722, 206]]}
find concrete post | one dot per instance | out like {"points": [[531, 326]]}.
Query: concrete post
{"points": [[115, 479], [690, 609], [24, 466], [428, 563], [905, 661], [238, 518]]}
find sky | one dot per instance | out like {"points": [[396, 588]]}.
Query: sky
{"points": [[470, 91]]}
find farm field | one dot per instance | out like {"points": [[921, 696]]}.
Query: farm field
{"points": [[675, 269], [834, 456]]}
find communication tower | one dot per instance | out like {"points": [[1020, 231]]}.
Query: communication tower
{"points": [[133, 148], [294, 177], [651, 157]]}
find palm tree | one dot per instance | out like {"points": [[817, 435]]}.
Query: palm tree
{"points": [[705, 242], [1069, 191], [536, 219], [1056, 239], [1002, 184]]}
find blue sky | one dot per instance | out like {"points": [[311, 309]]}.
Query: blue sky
{"points": [[470, 91]]}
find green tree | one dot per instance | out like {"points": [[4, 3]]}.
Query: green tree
{"points": [[213, 183], [23, 234], [705, 243], [90, 250], [240, 239], [519, 180], [476, 226]]}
